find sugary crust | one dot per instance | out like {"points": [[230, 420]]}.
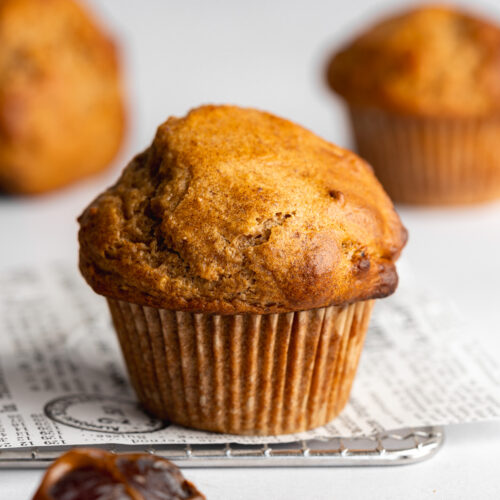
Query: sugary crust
{"points": [[61, 105], [234, 210], [433, 60]]}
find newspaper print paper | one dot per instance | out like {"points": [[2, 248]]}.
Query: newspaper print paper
{"points": [[63, 381]]}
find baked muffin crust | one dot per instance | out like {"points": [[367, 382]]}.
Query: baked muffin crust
{"points": [[61, 105], [234, 210], [432, 60]]}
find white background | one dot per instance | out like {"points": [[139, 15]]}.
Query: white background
{"points": [[271, 55]]}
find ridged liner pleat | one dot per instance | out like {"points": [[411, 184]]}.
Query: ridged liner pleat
{"points": [[242, 374], [427, 160]]}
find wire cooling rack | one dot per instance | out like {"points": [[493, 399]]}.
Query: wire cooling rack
{"points": [[404, 446]]}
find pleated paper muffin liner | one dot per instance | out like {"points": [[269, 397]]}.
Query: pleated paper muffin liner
{"points": [[427, 160], [242, 374]]}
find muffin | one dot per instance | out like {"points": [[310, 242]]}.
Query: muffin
{"points": [[61, 106], [88, 473], [240, 255], [423, 92]]}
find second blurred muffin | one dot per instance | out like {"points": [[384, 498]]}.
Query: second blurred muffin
{"points": [[61, 109], [423, 90]]}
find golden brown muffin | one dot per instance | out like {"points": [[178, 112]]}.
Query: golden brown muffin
{"points": [[232, 220], [430, 61], [61, 109], [234, 210], [423, 90]]}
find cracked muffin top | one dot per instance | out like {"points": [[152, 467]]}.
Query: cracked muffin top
{"points": [[235, 210], [432, 60]]}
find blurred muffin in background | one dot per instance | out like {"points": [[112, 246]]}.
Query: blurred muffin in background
{"points": [[423, 91], [61, 105]]}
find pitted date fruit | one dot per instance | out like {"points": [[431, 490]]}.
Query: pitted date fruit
{"points": [[153, 478], [91, 474], [88, 483]]}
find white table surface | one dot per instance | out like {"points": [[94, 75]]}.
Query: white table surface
{"points": [[270, 55]]}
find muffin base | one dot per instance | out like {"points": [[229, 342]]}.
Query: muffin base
{"points": [[242, 374], [430, 161]]}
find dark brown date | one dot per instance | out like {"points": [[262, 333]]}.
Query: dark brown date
{"points": [[91, 474]]}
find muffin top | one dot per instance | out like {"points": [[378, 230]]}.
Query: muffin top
{"points": [[234, 210], [61, 106], [429, 61]]}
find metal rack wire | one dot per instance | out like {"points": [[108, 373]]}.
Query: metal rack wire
{"points": [[399, 447]]}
